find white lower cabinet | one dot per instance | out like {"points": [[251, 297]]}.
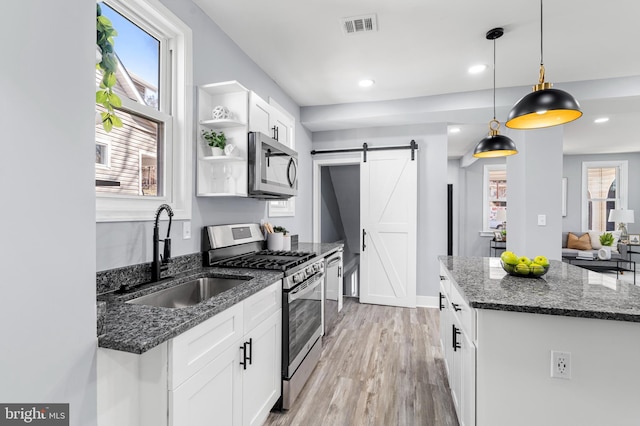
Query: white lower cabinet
{"points": [[224, 371], [224, 392], [261, 381], [457, 339], [213, 396]]}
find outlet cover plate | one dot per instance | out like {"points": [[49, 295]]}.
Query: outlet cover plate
{"points": [[186, 230], [560, 365]]}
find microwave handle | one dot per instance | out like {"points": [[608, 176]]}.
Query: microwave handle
{"points": [[292, 166]]}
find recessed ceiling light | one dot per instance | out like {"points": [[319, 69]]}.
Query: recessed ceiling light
{"points": [[366, 83], [454, 130], [476, 69], [601, 120]]}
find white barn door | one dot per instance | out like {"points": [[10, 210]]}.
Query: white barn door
{"points": [[388, 218]]}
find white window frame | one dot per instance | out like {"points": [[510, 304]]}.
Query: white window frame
{"points": [[621, 188], [155, 18], [107, 163], [485, 196]]}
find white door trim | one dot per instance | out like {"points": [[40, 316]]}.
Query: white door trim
{"points": [[344, 160]]}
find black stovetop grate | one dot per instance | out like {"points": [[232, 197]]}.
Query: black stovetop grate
{"points": [[267, 259]]}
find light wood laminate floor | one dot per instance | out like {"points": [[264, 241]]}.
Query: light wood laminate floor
{"points": [[381, 365]]}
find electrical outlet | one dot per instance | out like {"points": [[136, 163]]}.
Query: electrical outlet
{"points": [[560, 365], [186, 230]]}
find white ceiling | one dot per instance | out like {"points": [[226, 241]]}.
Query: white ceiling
{"points": [[424, 48]]}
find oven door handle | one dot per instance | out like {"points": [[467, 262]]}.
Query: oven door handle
{"points": [[297, 294]]}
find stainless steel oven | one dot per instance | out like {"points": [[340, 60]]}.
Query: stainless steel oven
{"points": [[302, 328], [273, 168]]}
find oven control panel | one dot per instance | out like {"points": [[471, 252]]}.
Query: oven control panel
{"points": [[306, 272]]}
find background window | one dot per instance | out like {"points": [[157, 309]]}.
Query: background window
{"points": [[102, 155], [604, 189], [495, 200]]}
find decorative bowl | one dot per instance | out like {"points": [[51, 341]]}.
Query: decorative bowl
{"points": [[526, 273]]}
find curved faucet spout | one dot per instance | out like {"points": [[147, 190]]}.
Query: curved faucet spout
{"points": [[169, 211], [159, 264]]}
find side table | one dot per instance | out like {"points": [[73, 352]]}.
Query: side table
{"points": [[494, 246]]}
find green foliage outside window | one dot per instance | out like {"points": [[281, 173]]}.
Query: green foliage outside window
{"points": [[105, 95]]}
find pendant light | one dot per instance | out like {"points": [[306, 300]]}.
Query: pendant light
{"points": [[544, 107], [495, 144]]}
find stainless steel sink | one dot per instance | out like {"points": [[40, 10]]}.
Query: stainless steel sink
{"points": [[189, 293]]}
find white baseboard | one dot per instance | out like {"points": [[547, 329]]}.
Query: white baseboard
{"points": [[427, 301]]}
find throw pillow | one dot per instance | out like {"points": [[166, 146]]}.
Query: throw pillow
{"points": [[595, 239], [579, 243]]}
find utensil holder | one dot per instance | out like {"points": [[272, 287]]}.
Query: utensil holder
{"points": [[275, 241]]}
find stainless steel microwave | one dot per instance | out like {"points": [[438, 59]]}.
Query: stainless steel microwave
{"points": [[273, 168]]}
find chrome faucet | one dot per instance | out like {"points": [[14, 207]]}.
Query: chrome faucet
{"points": [[161, 263]]}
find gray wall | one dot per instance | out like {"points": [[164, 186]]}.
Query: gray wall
{"points": [[331, 229], [47, 306], [432, 187], [534, 189], [346, 183], [216, 58], [572, 170]]}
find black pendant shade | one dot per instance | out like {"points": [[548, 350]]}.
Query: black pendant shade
{"points": [[543, 108], [495, 146]]}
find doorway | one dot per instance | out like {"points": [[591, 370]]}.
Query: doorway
{"points": [[336, 212]]}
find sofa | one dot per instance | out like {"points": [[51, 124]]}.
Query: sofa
{"points": [[618, 251]]}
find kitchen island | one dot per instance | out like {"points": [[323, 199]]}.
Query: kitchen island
{"points": [[499, 334]]}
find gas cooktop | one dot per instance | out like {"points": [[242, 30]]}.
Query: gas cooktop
{"points": [[268, 259]]}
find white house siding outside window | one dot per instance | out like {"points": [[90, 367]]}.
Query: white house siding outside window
{"points": [[149, 155], [604, 187]]}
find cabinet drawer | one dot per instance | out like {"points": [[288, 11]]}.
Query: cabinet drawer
{"points": [[262, 305], [193, 349], [445, 283], [466, 314]]}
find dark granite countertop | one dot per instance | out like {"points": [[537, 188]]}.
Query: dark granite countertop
{"points": [[565, 290], [138, 328], [321, 249]]}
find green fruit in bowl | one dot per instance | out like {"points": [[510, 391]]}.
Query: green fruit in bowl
{"points": [[525, 260], [509, 268], [541, 260], [522, 268], [536, 269], [509, 258]]}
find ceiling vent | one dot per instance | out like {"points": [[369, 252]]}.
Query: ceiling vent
{"points": [[359, 24]]}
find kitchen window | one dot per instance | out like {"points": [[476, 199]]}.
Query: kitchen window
{"points": [[150, 155], [604, 187], [494, 212]]}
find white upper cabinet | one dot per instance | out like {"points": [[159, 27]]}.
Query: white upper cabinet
{"points": [[271, 120], [260, 113]]}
